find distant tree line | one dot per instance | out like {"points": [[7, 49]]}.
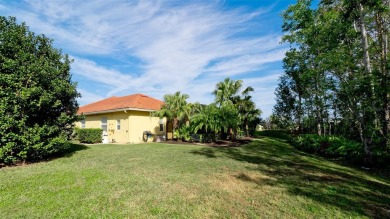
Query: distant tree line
{"points": [[337, 72]]}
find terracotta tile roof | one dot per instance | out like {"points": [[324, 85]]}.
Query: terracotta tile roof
{"points": [[135, 101]]}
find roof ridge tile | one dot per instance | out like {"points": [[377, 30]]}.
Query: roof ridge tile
{"points": [[137, 101]]}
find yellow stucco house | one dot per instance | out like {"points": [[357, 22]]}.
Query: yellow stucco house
{"points": [[124, 119]]}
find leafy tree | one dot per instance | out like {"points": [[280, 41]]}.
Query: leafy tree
{"points": [[226, 91], [228, 97], [336, 77], [216, 120], [230, 111], [37, 96], [248, 113], [175, 108], [207, 119]]}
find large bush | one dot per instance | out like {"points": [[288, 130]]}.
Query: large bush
{"points": [[37, 96], [329, 146], [89, 135]]}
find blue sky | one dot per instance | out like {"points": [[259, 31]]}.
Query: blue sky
{"points": [[152, 47]]}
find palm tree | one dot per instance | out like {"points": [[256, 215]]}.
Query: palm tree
{"points": [[206, 119], [175, 109], [215, 120], [248, 112], [226, 91], [247, 109]]}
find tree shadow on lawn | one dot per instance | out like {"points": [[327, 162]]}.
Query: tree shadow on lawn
{"points": [[72, 150], [306, 175]]}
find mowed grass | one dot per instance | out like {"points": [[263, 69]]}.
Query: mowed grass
{"points": [[264, 179]]}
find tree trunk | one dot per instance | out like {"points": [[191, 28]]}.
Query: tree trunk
{"points": [[246, 127], [175, 124], [364, 40], [368, 159], [371, 93], [383, 42], [319, 128], [299, 114]]}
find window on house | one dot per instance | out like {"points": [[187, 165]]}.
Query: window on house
{"points": [[83, 124], [161, 125], [104, 123], [118, 124]]}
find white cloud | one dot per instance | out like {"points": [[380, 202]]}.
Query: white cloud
{"points": [[94, 72], [246, 63], [88, 97], [180, 46]]}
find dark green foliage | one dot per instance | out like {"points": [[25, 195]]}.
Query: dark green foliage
{"points": [[337, 71], [231, 114], [175, 109], [89, 135], [184, 133], [329, 146], [37, 97], [244, 116]]}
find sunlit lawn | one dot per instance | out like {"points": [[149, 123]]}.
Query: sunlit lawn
{"points": [[264, 179]]}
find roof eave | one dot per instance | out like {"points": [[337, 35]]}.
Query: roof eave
{"points": [[117, 110]]}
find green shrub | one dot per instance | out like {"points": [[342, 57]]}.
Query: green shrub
{"points": [[89, 135], [36, 143], [38, 104], [329, 146], [183, 133]]}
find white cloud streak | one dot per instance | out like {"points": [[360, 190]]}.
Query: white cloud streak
{"points": [[88, 97], [176, 45]]}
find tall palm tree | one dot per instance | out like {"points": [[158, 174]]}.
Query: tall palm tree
{"points": [[175, 109], [226, 91], [248, 112], [247, 109]]}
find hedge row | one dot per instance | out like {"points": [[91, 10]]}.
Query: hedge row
{"points": [[89, 135], [34, 144], [329, 146]]}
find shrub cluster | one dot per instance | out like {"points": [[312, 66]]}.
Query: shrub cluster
{"points": [[36, 143], [329, 146], [89, 135], [38, 102]]}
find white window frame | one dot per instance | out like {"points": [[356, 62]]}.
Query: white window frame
{"points": [[102, 123], [118, 124], [82, 124]]}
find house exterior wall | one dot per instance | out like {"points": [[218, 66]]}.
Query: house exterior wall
{"points": [[132, 125], [142, 121], [115, 135]]}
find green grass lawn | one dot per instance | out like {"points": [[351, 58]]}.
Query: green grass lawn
{"points": [[264, 179]]}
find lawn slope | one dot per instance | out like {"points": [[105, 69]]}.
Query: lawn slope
{"points": [[266, 178]]}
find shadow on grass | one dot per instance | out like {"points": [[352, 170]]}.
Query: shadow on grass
{"points": [[73, 148], [208, 152], [70, 151], [279, 134], [315, 178]]}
